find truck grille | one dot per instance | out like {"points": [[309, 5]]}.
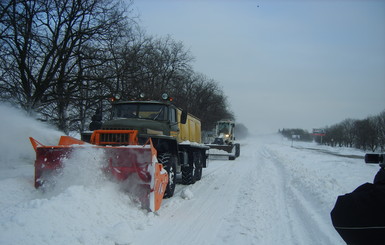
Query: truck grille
{"points": [[114, 137], [122, 139]]}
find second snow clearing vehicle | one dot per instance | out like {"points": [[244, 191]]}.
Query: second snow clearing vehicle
{"points": [[224, 142], [175, 145]]}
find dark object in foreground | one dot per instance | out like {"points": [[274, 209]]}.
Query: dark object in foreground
{"points": [[359, 216]]}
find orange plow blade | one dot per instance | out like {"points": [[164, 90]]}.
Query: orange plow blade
{"points": [[123, 163]]}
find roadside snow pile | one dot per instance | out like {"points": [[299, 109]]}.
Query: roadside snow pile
{"points": [[187, 194]]}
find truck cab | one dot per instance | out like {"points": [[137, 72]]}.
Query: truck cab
{"points": [[148, 117], [154, 118]]}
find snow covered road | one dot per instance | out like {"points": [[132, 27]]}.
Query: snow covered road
{"points": [[256, 199], [272, 194]]}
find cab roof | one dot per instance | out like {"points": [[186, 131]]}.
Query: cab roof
{"points": [[141, 102]]}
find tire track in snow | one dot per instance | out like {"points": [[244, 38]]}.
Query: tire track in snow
{"points": [[257, 217], [270, 209], [307, 223], [196, 220], [252, 200]]}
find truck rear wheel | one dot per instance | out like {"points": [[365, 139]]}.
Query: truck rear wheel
{"points": [[193, 172], [188, 172], [169, 164], [198, 162], [188, 176]]}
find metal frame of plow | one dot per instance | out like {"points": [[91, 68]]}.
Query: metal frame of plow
{"points": [[124, 162]]}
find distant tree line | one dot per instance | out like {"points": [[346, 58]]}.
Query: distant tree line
{"points": [[61, 60], [366, 134]]}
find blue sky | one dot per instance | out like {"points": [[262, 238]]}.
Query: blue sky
{"points": [[282, 64]]}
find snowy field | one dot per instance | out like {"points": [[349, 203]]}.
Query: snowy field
{"points": [[274, 193]]}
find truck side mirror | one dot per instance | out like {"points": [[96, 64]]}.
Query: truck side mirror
{"points": [[183, 117]]}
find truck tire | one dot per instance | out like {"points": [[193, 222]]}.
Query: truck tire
{"points": [[198, 162], [188, 172], [193, 172], [237, 150], [169, 164], [188, 177]]}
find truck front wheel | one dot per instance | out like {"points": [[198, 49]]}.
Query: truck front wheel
{"points": [[169, 164]]}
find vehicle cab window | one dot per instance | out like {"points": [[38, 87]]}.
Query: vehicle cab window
{"points": [[172, 115]]}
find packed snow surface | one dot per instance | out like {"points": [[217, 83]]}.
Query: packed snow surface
{"points": [[276, 192]]}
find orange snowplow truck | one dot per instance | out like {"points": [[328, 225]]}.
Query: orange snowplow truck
{"points": [[153, 141]]}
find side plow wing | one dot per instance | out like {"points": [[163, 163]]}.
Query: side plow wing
{"points": [[125, 163]]}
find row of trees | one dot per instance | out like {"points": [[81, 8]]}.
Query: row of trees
{"points": [[62, 59], [367, 134], [299, 134]]}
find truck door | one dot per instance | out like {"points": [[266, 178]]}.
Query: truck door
{"points": [[174, 130]]}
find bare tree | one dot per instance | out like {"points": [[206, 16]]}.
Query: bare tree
{"points": [[44, 44], [365, 134], [63, 58], [203, 98], [379, 124], [348, 132]]}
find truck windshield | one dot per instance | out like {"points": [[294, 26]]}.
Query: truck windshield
{"points": [[223, 128], [143, 111]]}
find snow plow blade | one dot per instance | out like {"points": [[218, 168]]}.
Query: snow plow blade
{"points": [[232, 151], [125, 161]]}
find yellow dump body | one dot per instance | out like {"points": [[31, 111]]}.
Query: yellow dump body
{"points": [[191, 131]]}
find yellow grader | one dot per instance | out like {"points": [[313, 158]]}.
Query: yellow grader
{"points": [[224, 141], [153, 141]]}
